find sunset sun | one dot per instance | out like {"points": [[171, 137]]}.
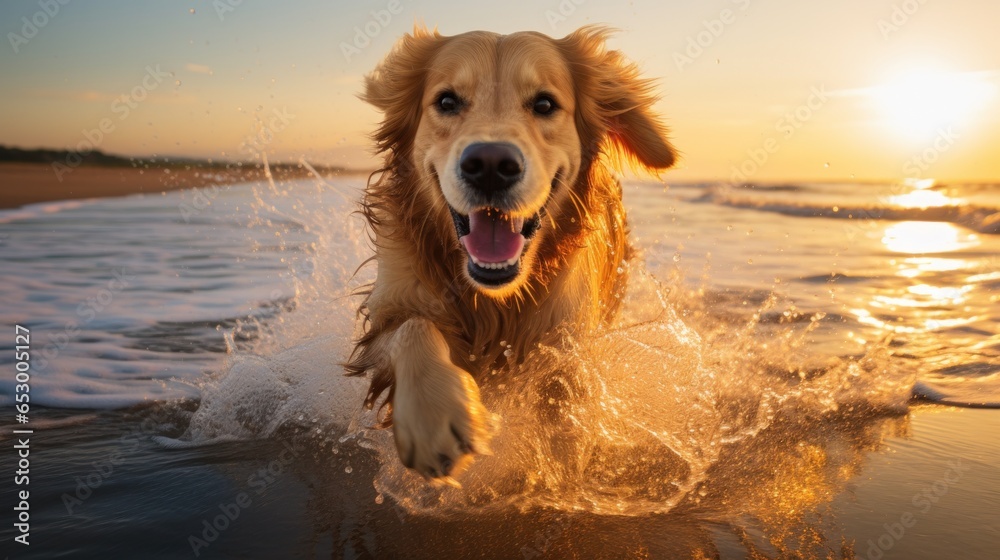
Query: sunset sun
{"points": [[918, 103]]}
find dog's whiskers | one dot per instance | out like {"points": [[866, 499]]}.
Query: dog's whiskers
{"points": [[529, 291], [578, 205]]}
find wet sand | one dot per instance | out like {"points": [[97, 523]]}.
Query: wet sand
{"points": [[919, 489], [28, 183]]}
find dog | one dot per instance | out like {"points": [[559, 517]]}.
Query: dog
{"points": [[497, 219]]}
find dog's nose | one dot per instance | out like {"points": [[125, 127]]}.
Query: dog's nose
{"points": [[491, 166]]}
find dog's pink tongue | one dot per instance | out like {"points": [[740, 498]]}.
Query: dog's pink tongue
{"points": [[493, 237]]}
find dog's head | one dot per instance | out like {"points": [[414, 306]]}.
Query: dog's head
{"points": [[502, 129]]}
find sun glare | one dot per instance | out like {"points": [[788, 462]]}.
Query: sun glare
{"points": [[924, 199], [927, 237], [919, 103]]}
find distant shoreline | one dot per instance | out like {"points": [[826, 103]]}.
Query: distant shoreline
{"points": [[29, 183]]}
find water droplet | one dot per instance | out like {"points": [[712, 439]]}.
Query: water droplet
{"points": [[348, 469], [379, 499], [508, 352], [503, 343], [191, 11], [836, 209], [677, 257], [729, 228], [749, 261], [620, 270], [177, 82], [472, 357], [826, 165]]}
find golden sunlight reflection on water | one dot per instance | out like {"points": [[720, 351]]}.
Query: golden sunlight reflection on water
{"points": [[917, 266], [927, 325], [921, 196], [924, 296], [923, 307], [916, 238], [924, 199]]}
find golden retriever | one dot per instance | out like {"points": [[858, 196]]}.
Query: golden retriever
{"points": [[497, 219]]}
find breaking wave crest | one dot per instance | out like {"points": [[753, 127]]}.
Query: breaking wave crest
{"points": [[979, 218]]}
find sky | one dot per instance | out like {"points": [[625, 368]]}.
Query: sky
{"points": [[752, 90]]}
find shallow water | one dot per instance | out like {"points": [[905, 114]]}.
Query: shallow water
{"points": [[774, 349]]}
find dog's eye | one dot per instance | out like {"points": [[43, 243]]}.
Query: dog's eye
{"points": [[543, 105], [448, 103]]}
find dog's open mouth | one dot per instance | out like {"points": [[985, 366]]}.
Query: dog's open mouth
{"points": [[495, 242]]}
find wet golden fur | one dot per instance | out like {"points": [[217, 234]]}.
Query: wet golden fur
{"points": [[571, 281]]}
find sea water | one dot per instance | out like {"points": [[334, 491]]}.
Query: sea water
{"points": [[771, 337]]}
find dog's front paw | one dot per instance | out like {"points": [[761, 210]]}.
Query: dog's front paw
{"points": [[438, 420]]}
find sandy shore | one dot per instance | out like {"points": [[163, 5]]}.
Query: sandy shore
{"points": [[27, 183]]}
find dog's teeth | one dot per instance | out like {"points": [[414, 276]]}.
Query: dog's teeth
{"points": [[516, 225], [495, 266]]}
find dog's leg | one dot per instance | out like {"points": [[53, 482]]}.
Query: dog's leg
{"points": [[438, 419]]}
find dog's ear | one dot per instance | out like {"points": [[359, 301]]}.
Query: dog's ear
{"points": [[614, 105], [396, 88]]}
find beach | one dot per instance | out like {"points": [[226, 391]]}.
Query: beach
{"points": [[781, 383], [29, 183]]}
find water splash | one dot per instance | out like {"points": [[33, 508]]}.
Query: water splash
{"points": [[683, 406]]}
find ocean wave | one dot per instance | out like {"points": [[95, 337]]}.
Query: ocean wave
{"points": [[981, 219], [41, 209], [976, 393]]}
